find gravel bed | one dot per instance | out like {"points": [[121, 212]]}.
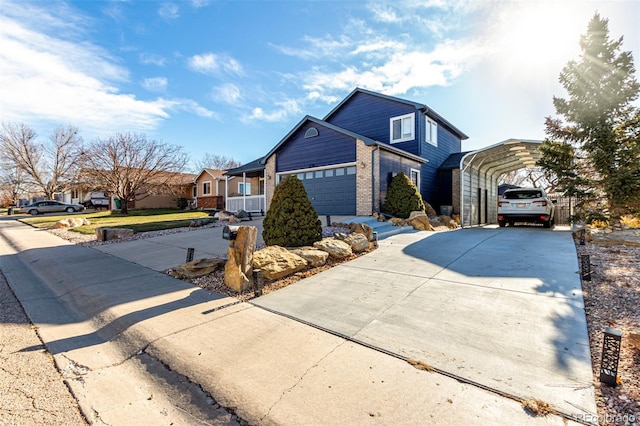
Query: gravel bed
{"points": [[612, 299]]}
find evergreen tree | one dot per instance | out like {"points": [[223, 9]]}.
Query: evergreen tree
{"points": [[402, 197], [291, 220], [594, 148]]}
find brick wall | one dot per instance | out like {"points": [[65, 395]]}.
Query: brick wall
{"points": [[364, 184], [270, 180], [213, 202]]}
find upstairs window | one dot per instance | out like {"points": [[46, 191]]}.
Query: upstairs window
{"points": [[431, 132], [206, 188], [402, 128]]}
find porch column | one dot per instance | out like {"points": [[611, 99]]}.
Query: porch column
{"points": [[244, 191], [226, 192]]}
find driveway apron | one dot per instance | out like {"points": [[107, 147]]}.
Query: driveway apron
{"points": [[501, 308]]}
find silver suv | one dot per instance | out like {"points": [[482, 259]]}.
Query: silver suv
{"points": [[525, 205]]}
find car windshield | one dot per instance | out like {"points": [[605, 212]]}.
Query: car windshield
{"points": [[522, 195]]}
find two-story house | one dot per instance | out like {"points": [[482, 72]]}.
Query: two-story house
{"points": [[347, 159]]}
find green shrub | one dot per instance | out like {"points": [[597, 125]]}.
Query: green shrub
{"points": [[402, 197], [291, 220]]}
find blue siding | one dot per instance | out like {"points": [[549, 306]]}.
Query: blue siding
{"points": [[326, 149], [392, 163], [448, 143], [369, 116]]}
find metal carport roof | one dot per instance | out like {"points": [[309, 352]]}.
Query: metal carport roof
{"points": [[479, 174]]}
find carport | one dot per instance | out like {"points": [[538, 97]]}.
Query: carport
{"points": [[479, 174]]}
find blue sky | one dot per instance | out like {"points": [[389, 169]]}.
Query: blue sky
{"points": [[233, 77]]}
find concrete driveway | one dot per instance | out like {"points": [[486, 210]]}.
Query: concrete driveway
{"points": [[501, 308]]}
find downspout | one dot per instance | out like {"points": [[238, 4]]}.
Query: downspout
{"points": [[373, 179]]}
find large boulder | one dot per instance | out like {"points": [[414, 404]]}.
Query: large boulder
{"points": [[396, 221], [277, 262], [313, 256], [415, 214], [421, 223], [448, 221], [197, 268], [362, 228], [238, 271], [358, 242], [587, 233], [71, 222], [106, 234], [431, 212], [336, 248]]}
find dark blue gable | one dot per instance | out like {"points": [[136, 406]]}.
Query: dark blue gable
{"points": [[369, 116], [327, 148]]}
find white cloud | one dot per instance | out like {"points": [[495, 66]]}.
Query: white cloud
{"points": [[153, 59], [384, 13], [48, 80], [200, 3], [227, 93], [155, 84], [169, 11], [284, 110], [211, 63]]}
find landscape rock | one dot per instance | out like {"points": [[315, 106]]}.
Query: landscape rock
{"points": [[313, 256], [396, 221], [456, 217], [238, 271], [358, 242], [277, 262], [336, 248], [71, 222], [421, 223], [199, 222], [448, 221], [415, 214], [362, 228], [106, 234], [429, 210], [634, 340], [197, 268]]}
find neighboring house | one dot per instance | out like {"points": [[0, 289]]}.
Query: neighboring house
{"points": [[180, 185], [245, 186], [347, 159], [209, 189]]}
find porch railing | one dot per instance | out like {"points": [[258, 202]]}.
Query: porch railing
{"points": [[248, 203]]}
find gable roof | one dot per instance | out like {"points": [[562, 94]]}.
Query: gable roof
{"points": [[214, 173], [256, 165], [453, 161], [419, 106], [366, 140]]}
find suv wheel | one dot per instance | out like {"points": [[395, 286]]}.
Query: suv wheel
{"points": [[501, 223], [70, 210], [33, 212]]}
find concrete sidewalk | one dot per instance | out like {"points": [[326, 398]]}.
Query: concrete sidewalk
{"points": [[101, 316]]}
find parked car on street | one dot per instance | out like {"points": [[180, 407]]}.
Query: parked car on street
{"points": [[525, 205], [50, 206]]}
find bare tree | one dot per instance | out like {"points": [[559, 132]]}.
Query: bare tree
{"points": [[215, 161], [12, 184], [51, 167], [132, 167], [530, 176]]}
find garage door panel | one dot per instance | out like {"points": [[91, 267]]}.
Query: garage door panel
{"points": [[331, 191]]}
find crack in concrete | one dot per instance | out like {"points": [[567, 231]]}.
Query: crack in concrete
{"points": [[290, 389]]}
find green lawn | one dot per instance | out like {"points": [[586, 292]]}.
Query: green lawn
{"points": [[138, 220]]}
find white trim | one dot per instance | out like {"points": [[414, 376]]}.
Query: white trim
{"points": [[244, 184], [313, 169], [402, 138], [427, 127], [418, 180], [210, 188]]}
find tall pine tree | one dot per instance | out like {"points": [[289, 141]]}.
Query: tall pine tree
{"points": [[593, 148]]}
